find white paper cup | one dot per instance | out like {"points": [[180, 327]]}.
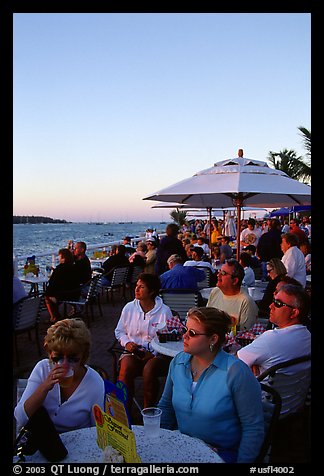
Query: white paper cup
{"points": [[151, 421]]}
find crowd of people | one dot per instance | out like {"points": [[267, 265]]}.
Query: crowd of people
{"points": [[209, 393]]}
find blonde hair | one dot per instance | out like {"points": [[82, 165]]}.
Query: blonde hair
{"points": [[69, 335], [214, 321]]}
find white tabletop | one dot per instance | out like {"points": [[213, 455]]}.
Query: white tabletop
{"points": [[34, 279], [97, 262], [170, 348], [257, 296], [169, 447]]}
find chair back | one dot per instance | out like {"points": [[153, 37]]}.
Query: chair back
{"points": [[94, 287], [292, 380], [135, 271], [180, 300], [205, 283], [271, 402], [27, 313], [119, 276]]}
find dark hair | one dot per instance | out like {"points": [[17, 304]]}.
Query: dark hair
{"points": [[199, 250], [238, 270], [82, 245], [291, 238], [288, 280], [152, 281], [215, 321], [172, 229], [121, 249], [245, 258], [251, 221], [67, 255], [250, 248]]}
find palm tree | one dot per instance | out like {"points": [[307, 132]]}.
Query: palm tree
{"points": [[179, 217], [287, 160], [307, 139]]}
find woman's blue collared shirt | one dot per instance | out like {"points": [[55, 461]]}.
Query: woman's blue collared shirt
{"points": [[224, 409]]}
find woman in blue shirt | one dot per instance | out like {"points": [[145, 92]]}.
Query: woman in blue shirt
{"points": [[212, 395]]}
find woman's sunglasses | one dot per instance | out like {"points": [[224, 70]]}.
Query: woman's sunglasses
{"points": [[192, 332], [279, 304]]}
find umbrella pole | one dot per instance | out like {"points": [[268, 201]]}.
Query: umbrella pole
{"points": [[238, 204], [209, 228]]}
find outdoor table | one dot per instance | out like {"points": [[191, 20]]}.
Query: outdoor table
{"points": [[169, 348], [169, 447], [34, 282]]}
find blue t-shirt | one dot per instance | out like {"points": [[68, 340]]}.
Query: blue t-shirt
{"points": [[224, 409], [182, 277]]}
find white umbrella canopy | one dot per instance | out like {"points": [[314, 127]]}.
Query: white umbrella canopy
{"points": [[236, 182]]}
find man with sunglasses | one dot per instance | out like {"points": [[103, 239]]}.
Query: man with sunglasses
{"points": [[230, 297], [290, 339]]}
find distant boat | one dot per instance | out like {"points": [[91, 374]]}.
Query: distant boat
{"points": [[162, 222]]}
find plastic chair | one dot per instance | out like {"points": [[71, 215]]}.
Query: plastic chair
{"points": [[26, 316], [180, 300], [134, 273], [291, 438], [271, 402], [93, 297], [118, 281], [207, 282], [293, 386]]}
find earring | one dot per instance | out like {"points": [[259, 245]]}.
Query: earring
{"points": [[211, 347]]}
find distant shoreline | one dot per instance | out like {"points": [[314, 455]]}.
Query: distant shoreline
{"points": [[23, 219]]}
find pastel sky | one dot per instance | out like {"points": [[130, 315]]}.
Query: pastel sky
{"points": [[111, 107]]}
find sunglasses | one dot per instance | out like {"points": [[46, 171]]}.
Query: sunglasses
{"points": [[57, 359], [223, 273], [280, 304], [192, 332], [269, 270]]}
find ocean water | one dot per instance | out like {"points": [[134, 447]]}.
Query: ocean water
{"points": [[33, 239]]}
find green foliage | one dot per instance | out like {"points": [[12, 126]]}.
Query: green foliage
{"points": [[286, 160], [179, 217]]}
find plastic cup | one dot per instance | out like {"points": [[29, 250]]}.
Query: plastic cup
{"points": [[251, 291], [67, 379], [151, 421]]}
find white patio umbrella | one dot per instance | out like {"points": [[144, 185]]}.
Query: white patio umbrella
{"points": [[237, 182]]}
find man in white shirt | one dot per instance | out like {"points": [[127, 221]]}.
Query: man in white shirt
{"points": [[231, 298], [293, 258], [290, 339], [251, 234], [197, 253]]}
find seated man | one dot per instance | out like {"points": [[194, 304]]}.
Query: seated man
{"points": [[118, 259], [197, 253], [180, 276], [82, 266], [290, 339], [225, 250], [231, 298], [249, 277]]}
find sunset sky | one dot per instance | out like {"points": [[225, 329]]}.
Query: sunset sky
{"points": [[109, 108]]}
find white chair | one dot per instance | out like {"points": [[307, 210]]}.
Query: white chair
{"points": [[207, 282], [180, 300]]}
